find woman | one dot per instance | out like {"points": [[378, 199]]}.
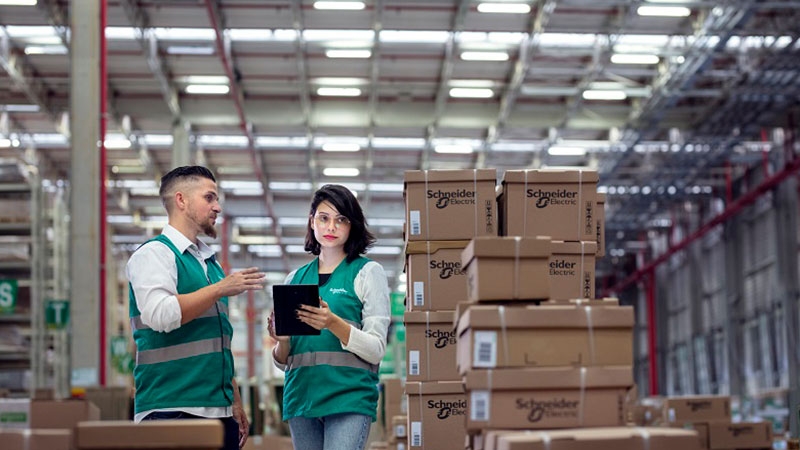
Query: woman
{"points": [[330, 393]]}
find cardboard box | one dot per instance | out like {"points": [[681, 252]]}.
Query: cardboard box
{"points": [[436, 412], [507, 268], [24, 413], [621, 438], [114, 402], [199, 434], [399, 424], [680, 410], [435, 278], [545, 398], [431, 346], [571, 270], [550, 202], [13, 439], [744, 435], [600, 215], [448, 205], [491, 336]]}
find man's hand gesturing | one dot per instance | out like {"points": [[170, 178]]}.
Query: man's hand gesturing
{"points": [[249, 279]]}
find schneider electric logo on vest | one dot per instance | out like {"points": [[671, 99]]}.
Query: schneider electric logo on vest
{"points": [[447, 409], [443, 338], [551, 409], [446, 268], [448, 198], [340, 291], [559, 197]]}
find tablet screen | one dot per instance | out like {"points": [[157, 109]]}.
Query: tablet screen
{"points": [[287, 299]]}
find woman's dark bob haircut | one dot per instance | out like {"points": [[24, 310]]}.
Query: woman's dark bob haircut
{"points": [[345, 202]]}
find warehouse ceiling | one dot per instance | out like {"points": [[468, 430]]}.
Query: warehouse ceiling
{"points": [[659, 104]]}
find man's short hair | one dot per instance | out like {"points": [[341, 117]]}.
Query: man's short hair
{"points": [[179, 174]]}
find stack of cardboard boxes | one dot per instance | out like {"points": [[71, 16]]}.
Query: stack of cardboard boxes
{"points": [[710, 416], [535, 351], [444, 210]]}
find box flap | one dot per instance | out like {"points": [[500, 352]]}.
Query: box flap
{"points": [[574, 248], [550, 176], [545, 316], [173, 434], [446, 175], [434, 387], [423, 247], [610, 437], [549, 378], [506, 247], [429, 317]]}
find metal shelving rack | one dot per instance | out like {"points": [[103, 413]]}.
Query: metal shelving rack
{"points": [[38, 358]]}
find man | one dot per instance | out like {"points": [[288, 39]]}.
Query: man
{"points": [[179, 313]]}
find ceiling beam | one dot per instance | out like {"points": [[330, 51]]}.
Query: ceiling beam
{"points": [[445, 73], [24, 76], [237, 95], [146, 37], [304, 90]]}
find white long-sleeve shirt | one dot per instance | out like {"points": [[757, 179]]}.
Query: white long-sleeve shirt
{"points": [[372, 288], [153, 275]]}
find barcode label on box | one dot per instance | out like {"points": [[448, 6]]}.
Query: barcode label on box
{"points": [[400, 431], [413, 362], [479, 406], [413, 218], [419, 293], [416, 434], [485, 349]]}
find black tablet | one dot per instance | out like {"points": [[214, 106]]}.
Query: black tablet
{"points": [[287, 299]]}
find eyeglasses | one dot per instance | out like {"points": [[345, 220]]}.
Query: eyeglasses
{"points": [[338, 221]]}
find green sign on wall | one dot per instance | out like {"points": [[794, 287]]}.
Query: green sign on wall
{"points": [[56, 313], [8, 296]]}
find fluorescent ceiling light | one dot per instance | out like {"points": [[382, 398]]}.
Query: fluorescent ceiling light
{"points": [[252, 221], [239, 184], [121, 33], [386, 187], [18, 2], [348, 6], [5, 143], [471, 93], [341, 53], [604, 95], [340, 147], [115, 143], [205, 79], [453, 148], [340, 172], [504, 8], [207, 89], [45, 50], [20, 108], [664, 11], [190, 50], [158, 139], [472, 83], [289, 186], [558, 150], [185, 34], [484, 56], [339, 92], [352, 37], [340, 81], [276, 141], [623, 58], [27, 31], [249, 34], [247, 192], [397, 142], [223, 139]]}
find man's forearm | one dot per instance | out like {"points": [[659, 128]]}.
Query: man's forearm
{"points": [[196, 303]]}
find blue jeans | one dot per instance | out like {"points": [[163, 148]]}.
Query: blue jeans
{"points": [[334, 432], [231, 427]]}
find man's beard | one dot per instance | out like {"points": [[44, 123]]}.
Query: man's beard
{"points": [[210, 231]]}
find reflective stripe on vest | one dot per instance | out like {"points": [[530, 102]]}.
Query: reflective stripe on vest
{"points": [[137, 324], [339, 359], [180, 351]]}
